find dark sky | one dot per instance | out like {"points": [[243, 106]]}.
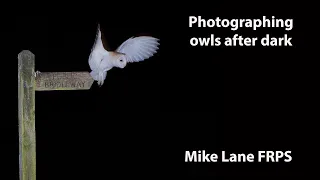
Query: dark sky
{"points": [[140, 122]]}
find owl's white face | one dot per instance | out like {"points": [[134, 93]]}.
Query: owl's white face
{"points": [[121, 62]]}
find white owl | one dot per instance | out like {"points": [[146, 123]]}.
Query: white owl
{"points": [[134, 49]]}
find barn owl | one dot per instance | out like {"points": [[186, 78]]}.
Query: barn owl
{"points": [[134, 49]]}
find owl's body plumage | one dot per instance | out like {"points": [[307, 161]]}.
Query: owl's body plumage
{"points": [[134, 49]]}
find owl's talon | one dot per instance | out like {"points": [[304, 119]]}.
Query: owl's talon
{"points": [[36, 73]]}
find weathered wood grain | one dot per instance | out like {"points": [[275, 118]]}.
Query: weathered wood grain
{"points": [[49, 81], [26, 106]]}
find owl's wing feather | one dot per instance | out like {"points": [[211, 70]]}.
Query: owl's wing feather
{"points": [[97, 41], [139, 48]]}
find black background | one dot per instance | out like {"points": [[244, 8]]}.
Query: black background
{"points": [[145, 116]]}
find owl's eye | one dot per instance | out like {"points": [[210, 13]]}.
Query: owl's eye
{"points": [[121, 60]]}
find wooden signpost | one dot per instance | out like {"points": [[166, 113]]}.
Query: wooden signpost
{"points": [[28, 83]]}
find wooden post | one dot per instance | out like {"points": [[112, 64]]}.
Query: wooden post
{"points": [[26, 105], [28, 83]]}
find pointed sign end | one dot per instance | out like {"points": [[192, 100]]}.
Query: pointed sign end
{"points": [[90, 82]]}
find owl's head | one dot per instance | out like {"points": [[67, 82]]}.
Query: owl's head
{"points": [[121, 61]]}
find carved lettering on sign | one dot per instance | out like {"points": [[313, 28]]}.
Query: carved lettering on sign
{"points": [[47, 81]]}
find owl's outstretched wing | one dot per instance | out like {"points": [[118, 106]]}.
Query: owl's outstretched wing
{"points": [[139, 48], [97, 45], [97, 51]]}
